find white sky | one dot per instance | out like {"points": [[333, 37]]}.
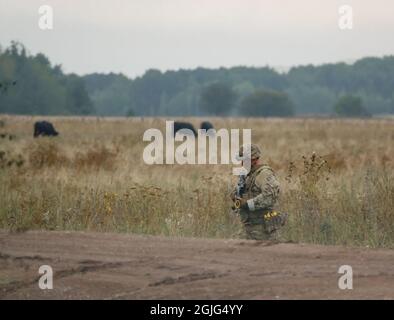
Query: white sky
{"points": [[131, 36]]}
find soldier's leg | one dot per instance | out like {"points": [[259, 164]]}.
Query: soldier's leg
{"points": [[256, 232], [274, 226]]}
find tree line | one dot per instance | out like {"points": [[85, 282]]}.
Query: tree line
{"points": [[363, 88], [38, 87]]}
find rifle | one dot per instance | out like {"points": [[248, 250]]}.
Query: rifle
{"points": [[240, 190]]}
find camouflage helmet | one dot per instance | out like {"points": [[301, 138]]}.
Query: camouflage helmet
{"points": [[249, 151]]}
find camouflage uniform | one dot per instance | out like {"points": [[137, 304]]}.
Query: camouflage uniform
{"points": [[261, 192]]}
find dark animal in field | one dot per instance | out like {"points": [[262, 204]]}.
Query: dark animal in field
{"points": [[206, 125], [44, 128], [184, 125], [7, 135]]}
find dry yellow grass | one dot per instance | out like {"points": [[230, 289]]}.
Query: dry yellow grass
{"points": [[92, 177]]}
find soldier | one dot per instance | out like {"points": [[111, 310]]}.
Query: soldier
{"points": [[259, 196]]}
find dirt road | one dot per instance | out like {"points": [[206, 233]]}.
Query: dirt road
{"points": [[116, 266]]}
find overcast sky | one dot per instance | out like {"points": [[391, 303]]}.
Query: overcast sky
{"points": [[131, 36]]}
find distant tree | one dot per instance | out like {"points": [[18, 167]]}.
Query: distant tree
{"points": [[267, 103], [350, 106], [312, 99], [109, 93], [43, 60], [78, 101], [130, 113], [217, 99]]}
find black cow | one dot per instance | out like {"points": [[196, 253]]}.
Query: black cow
{"points": [[206, 125], [184, 125], [44, 128]]}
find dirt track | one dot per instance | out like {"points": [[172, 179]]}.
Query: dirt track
{"points": [[114, 266]]}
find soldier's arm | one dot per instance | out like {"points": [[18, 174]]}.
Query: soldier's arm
{"points": [[269, 185], [233, 193]]}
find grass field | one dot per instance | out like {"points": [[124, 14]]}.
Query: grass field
{"points": [[337, 180]]}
